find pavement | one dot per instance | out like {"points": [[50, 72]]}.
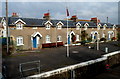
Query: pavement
{"points": [[53, 58]]}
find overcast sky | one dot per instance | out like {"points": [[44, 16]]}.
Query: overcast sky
{"points": [[83, 10]]}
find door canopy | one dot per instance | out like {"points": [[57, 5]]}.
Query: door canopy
{"points": [[36, 34]]}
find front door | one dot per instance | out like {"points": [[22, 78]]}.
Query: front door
{"points": [[34, 42], [68, 39]]}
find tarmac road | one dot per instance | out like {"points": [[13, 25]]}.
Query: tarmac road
{"points": [[53, 58]]}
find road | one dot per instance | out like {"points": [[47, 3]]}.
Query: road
{"points": [[53, 58]]}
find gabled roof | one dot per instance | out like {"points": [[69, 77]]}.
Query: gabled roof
{"points": [[28, 21], [41, 22]]}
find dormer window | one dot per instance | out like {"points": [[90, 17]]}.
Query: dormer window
{"points": [[85, 26], [48, 26], [59, 26], [19, 26], [78, 25], [104, 27], [98, 26], [114, 27]]}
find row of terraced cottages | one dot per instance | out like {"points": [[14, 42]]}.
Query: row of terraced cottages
{"points": [[28, 33]]}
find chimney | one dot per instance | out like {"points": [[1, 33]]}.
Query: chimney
{"points": [[74, 18], [46, 16], [14, 15], [95, 20]]}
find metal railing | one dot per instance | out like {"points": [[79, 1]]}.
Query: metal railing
{"points": [[29, 66]]}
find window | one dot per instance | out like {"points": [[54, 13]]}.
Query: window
{"points": [[59, 26], [47, 39], [59, 38], [19, 40], [48, 26], [85, 26], [98, 27], [114, 27], [104, 27], [103, 35], [77, 27], [19, 26]]}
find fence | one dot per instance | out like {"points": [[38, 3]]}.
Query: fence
{"points": [[29, 68]]}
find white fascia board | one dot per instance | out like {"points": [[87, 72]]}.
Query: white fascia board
{"points": [[20, 21]]}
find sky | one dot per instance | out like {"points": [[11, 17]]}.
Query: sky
{"points": [[83, 10]]}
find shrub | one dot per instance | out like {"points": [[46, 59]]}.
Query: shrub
{"points": [[118, 36], [113, 38]]}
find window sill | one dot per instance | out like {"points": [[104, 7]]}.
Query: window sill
{"points": [[48, 42], [59, 28], [20, 44], [47, 28], [59, 41], [18, 29]]}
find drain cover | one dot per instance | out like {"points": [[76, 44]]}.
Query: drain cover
{"points": [[75, 52]]}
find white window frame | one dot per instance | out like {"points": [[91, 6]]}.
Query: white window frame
{"points": [[48, 39], [19, 26], [104, 27], [48, 26], [98, 26], [86, 26], [78, 27], [19, 40], [59, 26], [114, 27], [59, 38]]}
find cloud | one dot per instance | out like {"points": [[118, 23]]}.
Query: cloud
{"points": [[84, 10]]}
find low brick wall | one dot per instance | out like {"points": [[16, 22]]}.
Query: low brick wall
{"points": [[49, 45]]}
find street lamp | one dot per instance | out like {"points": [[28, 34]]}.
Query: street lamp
{"points": [[98, 38]]}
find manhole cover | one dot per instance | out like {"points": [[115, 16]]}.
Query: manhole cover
{"points": [[75, 52]]}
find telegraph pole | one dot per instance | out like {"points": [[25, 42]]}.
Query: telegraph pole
{"points": [[7, 26]]}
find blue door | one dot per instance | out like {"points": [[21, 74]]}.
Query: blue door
{"points": [[68, 39], [34, 42], [94, 37]]}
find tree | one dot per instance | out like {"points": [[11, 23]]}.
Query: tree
{"points": [[118, 36], [83, 35]]}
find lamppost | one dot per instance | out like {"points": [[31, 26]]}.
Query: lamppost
{"points": [[98, 41], [56, 35], [80, 32], [7, 26]]}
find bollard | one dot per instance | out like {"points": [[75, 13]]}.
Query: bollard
{"points": [[106, 50]]}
